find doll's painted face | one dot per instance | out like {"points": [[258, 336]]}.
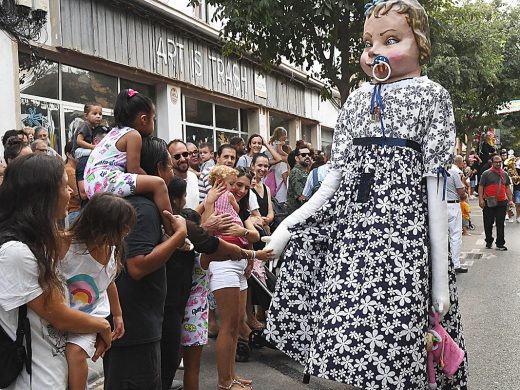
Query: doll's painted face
{"points": [[391, 36]]}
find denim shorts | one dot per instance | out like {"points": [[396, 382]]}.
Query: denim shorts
{"points": [[516, 196]]}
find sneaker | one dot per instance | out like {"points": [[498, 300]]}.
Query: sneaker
{"points": [[518, 220], [501, 248]]}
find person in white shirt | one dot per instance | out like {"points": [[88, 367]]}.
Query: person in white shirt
{"points": [[180, 165], [28, 252]]}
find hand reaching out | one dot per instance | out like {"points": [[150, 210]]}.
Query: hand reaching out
{"points": [[119, 327], [177, 222]]}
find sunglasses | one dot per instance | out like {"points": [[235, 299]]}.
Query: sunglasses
{"points": [[195, 152], [304, 154], [179, 155]]}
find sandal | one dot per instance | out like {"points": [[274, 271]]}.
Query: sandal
{"points": [[235, 382], [245, 382], [255, 325]]}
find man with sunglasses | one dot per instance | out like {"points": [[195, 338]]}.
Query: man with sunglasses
{"points": [[297, 179], [180, 164], [193, 158]]}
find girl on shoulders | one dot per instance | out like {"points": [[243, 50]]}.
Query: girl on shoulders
{"points": [[114, 166]]}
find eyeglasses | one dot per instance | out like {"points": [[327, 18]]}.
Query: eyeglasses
{"points": [[179, 155], [304, 154]]}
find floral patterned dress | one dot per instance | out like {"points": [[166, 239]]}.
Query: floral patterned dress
{"points": [[351, 303], [106, 167]]}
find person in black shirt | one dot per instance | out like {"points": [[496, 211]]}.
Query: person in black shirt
{"points": [[133, 362]]}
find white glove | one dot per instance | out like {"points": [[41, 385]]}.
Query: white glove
{"points": [[438, 228], [281, 236]]}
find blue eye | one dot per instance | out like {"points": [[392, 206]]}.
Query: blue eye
{"points": [[392, 41], [368, 44]]}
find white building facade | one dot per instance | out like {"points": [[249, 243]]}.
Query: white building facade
{"points": [[92, 49]]}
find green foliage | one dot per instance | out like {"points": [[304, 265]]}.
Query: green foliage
{"points": [[476, 54], [305, 32]]}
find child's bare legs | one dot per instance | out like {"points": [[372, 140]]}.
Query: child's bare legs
{"points": [[464, 231], [78, 368], [157, 187], [191, 356]]}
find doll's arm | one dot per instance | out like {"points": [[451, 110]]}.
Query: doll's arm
{"points": [[279, 239], [437, 230]]}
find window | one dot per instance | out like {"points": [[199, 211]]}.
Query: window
{"points": [[307, 132], [326, 136], [38, 77], [83, 86], [213, 123], [278, 121], [61, 111], [38, 113]]}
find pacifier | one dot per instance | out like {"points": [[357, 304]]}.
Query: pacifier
{"points": [[381, 64]]}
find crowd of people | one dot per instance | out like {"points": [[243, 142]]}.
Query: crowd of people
{"points": [[191, 220], [492, 177], [366, 269]]}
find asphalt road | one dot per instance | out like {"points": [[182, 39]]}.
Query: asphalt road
{"points": [[490, 302]]}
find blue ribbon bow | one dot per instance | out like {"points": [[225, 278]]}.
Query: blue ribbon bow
{"points": [[369, 6], [377, 101], [441, 171]]}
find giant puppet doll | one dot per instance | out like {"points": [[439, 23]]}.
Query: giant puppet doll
{"points": [[366, 258]]}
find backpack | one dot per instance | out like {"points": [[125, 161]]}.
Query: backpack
{"points": [[280, 213], [13, 354]]}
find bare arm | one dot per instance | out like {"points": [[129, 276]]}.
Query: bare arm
{"points": [[276, 156], [233, 202], [113, 299], [481, 201], [80, 140], [51, 307], [133, 142], [270, 212], [140, 266], [117, 313]]}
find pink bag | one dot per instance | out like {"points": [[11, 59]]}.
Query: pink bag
{"points": [[270, 181], [442, 350]]}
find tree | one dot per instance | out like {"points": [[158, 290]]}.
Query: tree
{"points": [[475, 56], [305, 32]]}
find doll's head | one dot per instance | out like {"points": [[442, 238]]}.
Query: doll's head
{"points": [[398, 30], [223, 173]]}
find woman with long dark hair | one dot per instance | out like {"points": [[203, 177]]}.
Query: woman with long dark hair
{"points": [[33, 197]]}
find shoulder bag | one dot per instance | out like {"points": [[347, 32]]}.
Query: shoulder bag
{"points": [[492, 201], [13, 354]]}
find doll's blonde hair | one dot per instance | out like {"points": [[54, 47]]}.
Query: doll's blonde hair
{"points": [[221, 172], [417, 20]]}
